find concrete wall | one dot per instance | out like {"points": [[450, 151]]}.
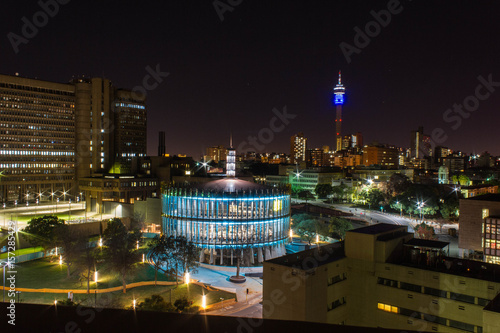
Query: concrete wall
{"points": [[150, 209]]}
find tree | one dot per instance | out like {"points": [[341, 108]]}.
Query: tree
{"points": [[339, 226], [158, 248], [308, 226], [155, 303], [71, 242], [305, 195], [120, 249], [397, 184], [86, 263], [323, 190], [185, 255], [181, 304], [41, 231], [450, 205], [375, 197], [424, 231], [340, 191]]}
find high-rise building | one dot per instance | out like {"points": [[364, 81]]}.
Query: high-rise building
{"points": [[161, 144], [314, 157], [338, 101], [298, 145], [53, 134], [37, 138], [130, 126], [420, 144]]}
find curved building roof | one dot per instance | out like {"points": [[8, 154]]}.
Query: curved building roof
{"points": [[230, 185]]}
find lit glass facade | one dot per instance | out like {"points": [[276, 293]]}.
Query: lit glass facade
{"points": [[220, 219]]}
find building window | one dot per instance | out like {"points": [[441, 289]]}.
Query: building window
{"points": [[388, 308]]}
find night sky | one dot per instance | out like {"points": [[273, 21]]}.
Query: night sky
{"points": [[227, 76]]}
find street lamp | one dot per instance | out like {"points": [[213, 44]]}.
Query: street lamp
{"points": [[186, 278], [95, 276], [400, 208], [204, 302], [56, 204]]}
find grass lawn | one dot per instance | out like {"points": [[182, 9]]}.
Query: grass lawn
{"points": [[118, 299], [22, 251], [44, 273]]}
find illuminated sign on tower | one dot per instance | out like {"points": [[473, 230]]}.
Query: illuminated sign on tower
{"points": [[338, 100]]}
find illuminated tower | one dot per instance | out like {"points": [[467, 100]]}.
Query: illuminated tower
{"points": [[231, 160], [338, 100]]}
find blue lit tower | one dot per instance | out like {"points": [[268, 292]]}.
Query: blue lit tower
{"points": [[338, 100]]}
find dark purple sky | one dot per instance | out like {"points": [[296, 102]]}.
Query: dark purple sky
{"points": [[227, 76]]}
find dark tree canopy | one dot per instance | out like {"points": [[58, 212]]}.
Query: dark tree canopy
{"points": [[40, 231]]}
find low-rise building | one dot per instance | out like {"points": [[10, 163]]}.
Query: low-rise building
{"points": [[381, 276], [474, 191], [473, 213]]}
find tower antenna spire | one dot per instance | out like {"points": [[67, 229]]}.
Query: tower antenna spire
{"points": [[231, 140], [340, 77]]}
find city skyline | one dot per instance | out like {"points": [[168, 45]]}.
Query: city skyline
{"points": [[215, 79]]}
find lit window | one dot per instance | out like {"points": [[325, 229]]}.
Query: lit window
{"points": [[387, 308], [486, 213]]}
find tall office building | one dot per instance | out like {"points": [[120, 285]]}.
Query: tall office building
{"points": [[161, 144], [338, 101], [37, 138], [420, 144], [298, 145], [52, 134], [130, 126]]}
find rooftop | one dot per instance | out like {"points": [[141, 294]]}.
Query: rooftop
{"points": [[427, 243], [486, 197], [302, 260], [230, 185], [377, 228], [473, 187]]}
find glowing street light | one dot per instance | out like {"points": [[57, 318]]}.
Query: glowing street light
{"points": [[60, 259], [100, 241], [291, 233], [137, 246], [55, 302], [317, 238], [204, 302], [186, 278], [133, 303], [95, 276]]}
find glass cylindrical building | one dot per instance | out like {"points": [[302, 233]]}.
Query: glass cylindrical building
{"points": [[229, 214]]}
